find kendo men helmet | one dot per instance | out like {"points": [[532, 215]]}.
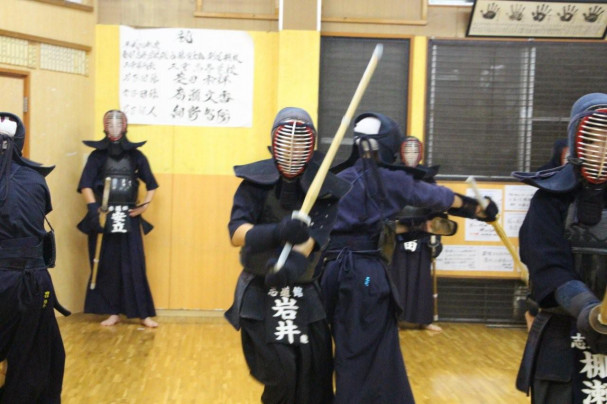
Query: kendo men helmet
{"points": [[411, 151], [382, 132], [11, 129], [587, 137], [293, 141], [114, 124], [12, 141]]}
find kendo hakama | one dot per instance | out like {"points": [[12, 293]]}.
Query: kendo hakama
{"points": [[360, 299], [412, 277], [29, 335], [122, 285], [295, 368]]}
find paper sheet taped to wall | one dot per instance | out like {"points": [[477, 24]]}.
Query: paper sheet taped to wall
{"points": [[190, 77], [475, 258]]}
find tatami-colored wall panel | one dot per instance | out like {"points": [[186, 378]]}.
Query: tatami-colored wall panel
{"points": [[299, 70], [204, 265], [157, 243], [48, 21], [61, 110]]}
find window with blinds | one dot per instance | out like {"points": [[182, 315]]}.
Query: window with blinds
{"points": [[343, 61], [494, 107]]}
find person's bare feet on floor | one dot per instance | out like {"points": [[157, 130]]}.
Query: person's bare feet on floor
{"points": [[111, 320], [433, 327], [148, 322]]}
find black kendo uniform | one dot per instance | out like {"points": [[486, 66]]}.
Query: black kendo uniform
{"points": [[411, 266], [122, 285], [562, 242], [359, 297], [285, 335], [30, 340], [411, 269]]}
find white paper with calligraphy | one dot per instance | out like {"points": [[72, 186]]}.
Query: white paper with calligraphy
{"points": [[474, 258], [513, 222], [518, 197], [186, 77]]}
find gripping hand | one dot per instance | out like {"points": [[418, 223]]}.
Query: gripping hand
{"points": [[92, 217], [292, 231], [470, 207], [268, 236], [436, 246], [579, 301], [293, 269], [596, 341], [489, 214]]}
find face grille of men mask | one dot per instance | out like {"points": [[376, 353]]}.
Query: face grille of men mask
{"points": [[411, 151], [591, 146], [114, 125], [292, 146]]}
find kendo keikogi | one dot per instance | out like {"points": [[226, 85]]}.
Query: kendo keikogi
{"points": [[285, 336], [121, 283], [563, 242], [31, 348], [360, 300], [412, 260]]}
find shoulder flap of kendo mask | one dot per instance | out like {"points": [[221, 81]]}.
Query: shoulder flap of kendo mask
{"points": [[558, 180]]}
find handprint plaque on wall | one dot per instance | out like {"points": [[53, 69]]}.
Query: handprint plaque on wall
{"points": [[538, 19]]}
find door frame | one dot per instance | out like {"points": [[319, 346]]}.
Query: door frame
{"points": [[25, 76]]}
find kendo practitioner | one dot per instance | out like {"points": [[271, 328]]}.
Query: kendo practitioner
{"points": [[360, 300], [285, 336], [411, 268], [121, 286], [562, 242], [31, 349]]}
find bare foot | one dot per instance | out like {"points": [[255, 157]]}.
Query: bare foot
{"points": [[529, 319], [111, 320], [433, 327], [148, 322], [3, 369]]}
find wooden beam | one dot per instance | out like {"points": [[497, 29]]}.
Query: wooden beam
{"points": [[47, 41], [69, 4], [237, 16]]}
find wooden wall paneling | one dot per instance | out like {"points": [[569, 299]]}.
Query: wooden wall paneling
{"points": [[249, 10], [61, 108], [204, 265], [14, 86], [83, 5], [385, 12], [158, 243]]}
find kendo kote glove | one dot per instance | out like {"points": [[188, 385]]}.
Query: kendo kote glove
{"points": [[489, 214], [470, 206], [92, 217], [293, 269], [263, 237], [578, 301]]}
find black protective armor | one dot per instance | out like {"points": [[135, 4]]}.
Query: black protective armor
{"points": [[122, 189]]}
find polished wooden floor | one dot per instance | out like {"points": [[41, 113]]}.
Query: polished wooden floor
{"points": [[197, 359]]}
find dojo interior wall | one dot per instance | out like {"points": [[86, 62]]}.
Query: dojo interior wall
{"points": [[191, 264]]}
